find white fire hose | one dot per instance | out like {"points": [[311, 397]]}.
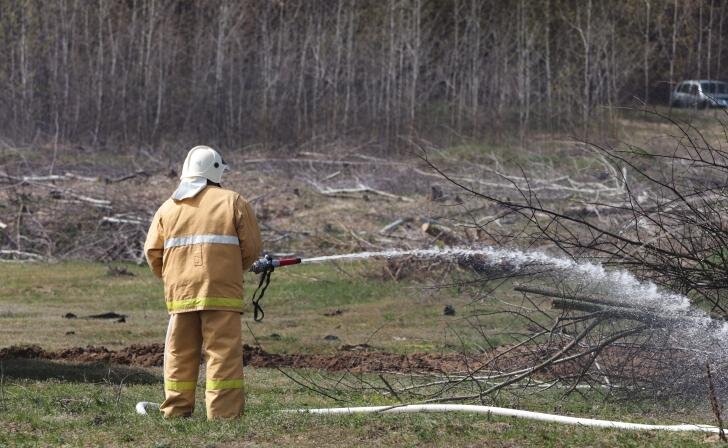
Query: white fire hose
{"points": [[142, 406]]}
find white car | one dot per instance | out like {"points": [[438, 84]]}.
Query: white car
{"points": [[700, 93]]}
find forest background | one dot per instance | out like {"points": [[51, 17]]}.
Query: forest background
{"points": [[281, 72]]}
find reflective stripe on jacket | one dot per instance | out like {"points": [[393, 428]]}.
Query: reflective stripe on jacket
{"points": [[201, 246]]}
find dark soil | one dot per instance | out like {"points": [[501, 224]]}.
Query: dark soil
{"points": [[362, 358], [135, 355], [109, 315], [356, 359]]}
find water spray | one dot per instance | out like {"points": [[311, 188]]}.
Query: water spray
{"points": [[623, 288]]}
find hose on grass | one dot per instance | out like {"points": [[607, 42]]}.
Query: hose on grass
{"points": [[142, 406]]}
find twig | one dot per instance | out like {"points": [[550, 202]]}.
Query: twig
{"points": [[391, 389], [357, 237], [128, 176], [2, 385], [714, 404], [332, 175]]}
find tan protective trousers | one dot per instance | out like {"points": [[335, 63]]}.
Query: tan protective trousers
{"points": [[219, 333]]}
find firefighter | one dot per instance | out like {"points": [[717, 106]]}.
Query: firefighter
{"points": [[200, 243]]}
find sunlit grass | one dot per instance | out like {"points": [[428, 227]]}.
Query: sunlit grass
{"points": [[46, 403], [356, 303], [93, 406]]}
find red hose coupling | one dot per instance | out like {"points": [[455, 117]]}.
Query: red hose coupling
{"points": [[286, 261]]}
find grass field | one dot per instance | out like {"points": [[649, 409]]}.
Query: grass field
{"points": [[363, 306], [86, 409], [45, 403]]}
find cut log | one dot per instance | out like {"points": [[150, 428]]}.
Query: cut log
{"points": [[652, 316], [548, 292], [442, 233], [436, 193], [616, 312]]}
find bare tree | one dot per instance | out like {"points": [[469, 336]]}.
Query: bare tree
{"points": [[290, 71]]}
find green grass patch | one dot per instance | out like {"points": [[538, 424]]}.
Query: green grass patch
{"points": [[304, 304], [47, 403], [100, 412]]}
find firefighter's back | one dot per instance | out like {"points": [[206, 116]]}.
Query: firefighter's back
{"points": [[203, 264]]}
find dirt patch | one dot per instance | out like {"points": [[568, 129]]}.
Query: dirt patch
{"points": [[149, 355], [358, 359], [109, 315], [346, 359]]}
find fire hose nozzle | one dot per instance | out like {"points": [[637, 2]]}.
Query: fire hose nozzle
{"points": [[265, 266], [268, 263]]}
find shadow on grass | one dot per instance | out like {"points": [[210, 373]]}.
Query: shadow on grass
{"points": [[41, 369]]}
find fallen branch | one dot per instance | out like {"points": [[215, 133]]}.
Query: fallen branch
{"points": [[103, 203], [122, 220], [127, 177], [548, 292], [22, 254], [37, 180], [535, 185], [309, 161], [79, 177], [616, 312], [332, 175], [357, 237], [612, 308], [360, 189], [52, 177], [393, 225]]}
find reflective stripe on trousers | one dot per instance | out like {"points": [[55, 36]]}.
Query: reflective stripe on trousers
{"points": [[204, 302], [179, 385], [224, 384], [176, 385]]}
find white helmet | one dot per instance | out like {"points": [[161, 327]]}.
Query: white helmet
{"points": [[203, 161]]}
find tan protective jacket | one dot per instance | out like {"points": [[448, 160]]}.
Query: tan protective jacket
{"points": [[200, 247]]}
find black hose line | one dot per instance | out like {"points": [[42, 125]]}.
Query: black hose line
{"points": [[258, 313]]}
